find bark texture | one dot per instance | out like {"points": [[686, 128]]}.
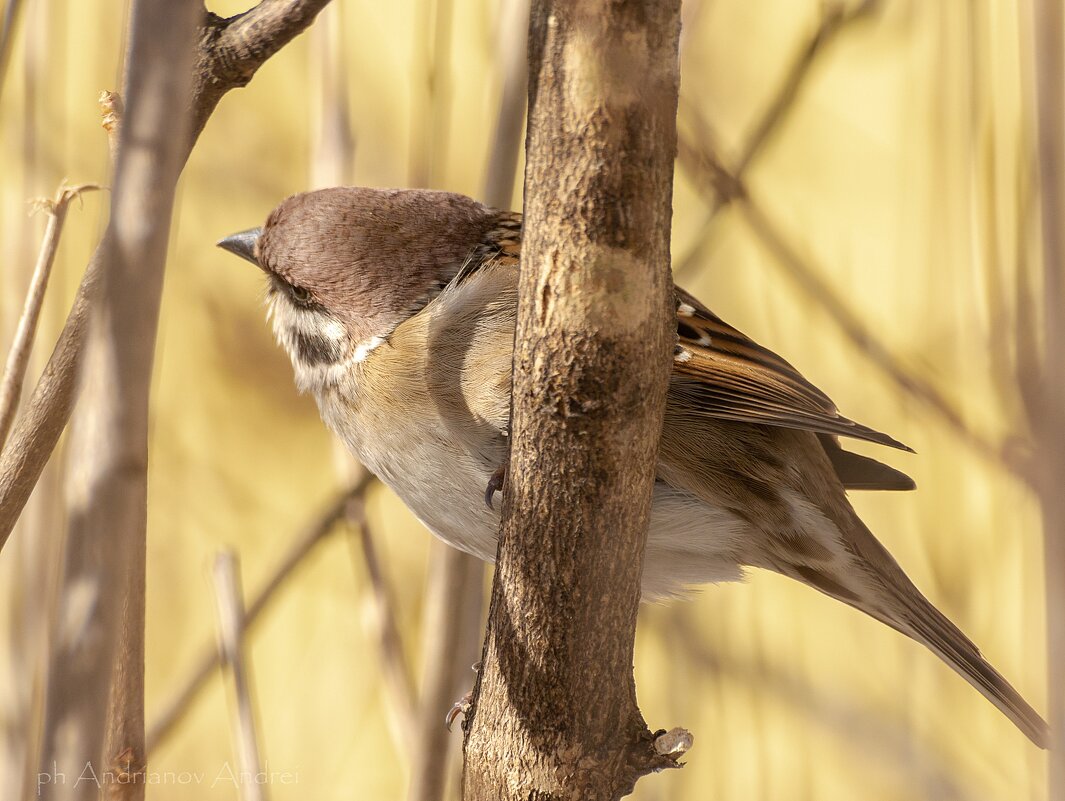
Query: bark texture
{"points": [[555, 713]]}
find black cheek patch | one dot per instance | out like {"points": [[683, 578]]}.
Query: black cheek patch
{"points": [[314, 350]]}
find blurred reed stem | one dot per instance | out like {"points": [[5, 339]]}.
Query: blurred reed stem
{"points": [[1049, 414], [454, 603], [302, 545], [229, 600], [395, 665], [332, 139], [8, 29], [431, 93]]}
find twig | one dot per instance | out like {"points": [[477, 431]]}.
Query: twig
{"points": [[18, 358], [835, 20], [229, 53], [231, 627], [111, 112], [180, 704], [395, 666], [707, 171]]}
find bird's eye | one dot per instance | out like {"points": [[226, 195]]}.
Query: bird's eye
{"points": [[299, 294]]}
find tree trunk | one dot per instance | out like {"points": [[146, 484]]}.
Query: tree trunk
{"points": [[555, 714]]}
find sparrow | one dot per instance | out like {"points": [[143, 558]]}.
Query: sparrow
{"points": [[397, 309]]}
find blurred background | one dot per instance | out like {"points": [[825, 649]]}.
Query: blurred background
{"points": [[886, 246]]}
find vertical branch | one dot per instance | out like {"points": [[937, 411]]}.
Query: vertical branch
{"points": [[302, 545], [591, 365], [1049, 417], [394, 668], [100, 650], [231, 626], [453, 579], [513, 61], [431, 99], [333, 143]]}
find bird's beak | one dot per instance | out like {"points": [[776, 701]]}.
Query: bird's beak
{"points": [[243, 244]]}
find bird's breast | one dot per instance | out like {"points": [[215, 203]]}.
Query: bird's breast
{"points": [[438, 466]]}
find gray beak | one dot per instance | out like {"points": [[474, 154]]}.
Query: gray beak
{"points": [[243, 244]]}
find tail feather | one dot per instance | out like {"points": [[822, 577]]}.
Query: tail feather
{"points": [[904, 608]]}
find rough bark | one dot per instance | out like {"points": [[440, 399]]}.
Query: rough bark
{"points": [[555, 713]]}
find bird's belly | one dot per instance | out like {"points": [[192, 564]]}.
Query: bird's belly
{"points": [[690, 542], [441, 483]]}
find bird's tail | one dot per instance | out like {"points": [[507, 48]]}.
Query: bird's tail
{"points": [[899, 604]]}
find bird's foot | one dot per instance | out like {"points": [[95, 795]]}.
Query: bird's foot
{"points": [[495, 484], [460, 707]]}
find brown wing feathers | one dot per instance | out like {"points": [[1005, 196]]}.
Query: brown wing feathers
{"points": [[725, 375]]}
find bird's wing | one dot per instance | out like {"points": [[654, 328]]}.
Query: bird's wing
{"points": [[719, 372]]}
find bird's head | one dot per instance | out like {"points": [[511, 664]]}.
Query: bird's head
{"points": [[346, 266]]}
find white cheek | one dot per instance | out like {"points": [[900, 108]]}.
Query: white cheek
{"points": [[289, 323]]}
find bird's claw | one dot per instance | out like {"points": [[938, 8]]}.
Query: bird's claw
{"points": [[495, 484], [460, 707]]}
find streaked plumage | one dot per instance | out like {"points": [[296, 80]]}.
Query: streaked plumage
{"points": [[398, 308]]}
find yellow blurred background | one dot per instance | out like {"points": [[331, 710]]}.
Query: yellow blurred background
{"points": [[900, 175]]}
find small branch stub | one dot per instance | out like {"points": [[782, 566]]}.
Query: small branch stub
{"points": [[674, 743]]}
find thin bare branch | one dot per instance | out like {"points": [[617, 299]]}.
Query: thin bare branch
{"points": [[837, 18], [231, 627], [204, 666], [232, 50], [18, 358], [228, 54], [395, 665]]}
